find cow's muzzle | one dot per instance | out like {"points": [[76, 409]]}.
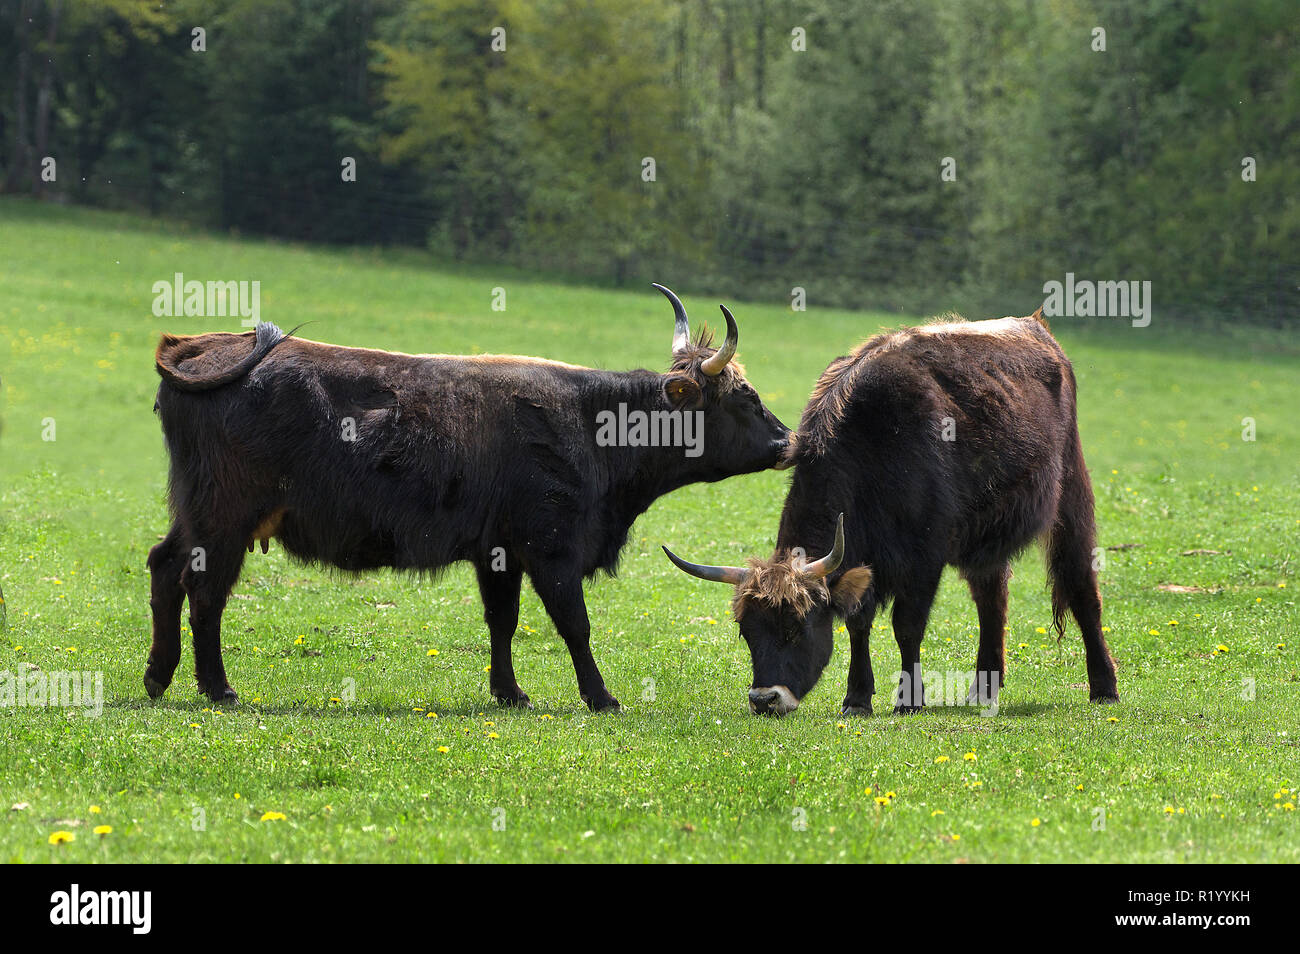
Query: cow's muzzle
{"points": [[772, 700]]}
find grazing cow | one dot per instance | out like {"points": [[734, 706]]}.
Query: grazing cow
{"points": [[950, 443], [363, 459]]}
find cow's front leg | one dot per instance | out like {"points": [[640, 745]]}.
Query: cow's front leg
{"points": [[562, 597], [911, 613], [500, 591], [862, 684], [989, 590]]}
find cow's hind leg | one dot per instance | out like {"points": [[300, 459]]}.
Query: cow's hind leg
{"points": [[166, 564], [862, 684], [562, 597], [989, 591], [500, 592], [207, 579]]}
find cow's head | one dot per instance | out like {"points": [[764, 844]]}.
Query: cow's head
{"points": [[786, 610], [740, 434]]}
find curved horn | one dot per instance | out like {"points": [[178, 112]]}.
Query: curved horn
{"points": [[682, 330], [716, 574], [713, 365], [830, 561]]}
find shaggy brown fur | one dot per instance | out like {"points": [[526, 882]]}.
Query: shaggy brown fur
{"points": [[778, 582], [361, 459]]}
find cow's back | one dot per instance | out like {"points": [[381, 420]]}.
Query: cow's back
{"points": [[948, 438]]}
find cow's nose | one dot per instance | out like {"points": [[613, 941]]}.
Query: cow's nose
{"points": [[760, 700]]}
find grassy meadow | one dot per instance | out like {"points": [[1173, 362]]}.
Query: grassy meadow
{"points": [[365, 730]]}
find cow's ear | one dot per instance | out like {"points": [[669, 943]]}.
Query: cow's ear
{"points": [[847, 592], [682, 391]]}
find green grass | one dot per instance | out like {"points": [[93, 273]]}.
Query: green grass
{"points": [[686, 774]]}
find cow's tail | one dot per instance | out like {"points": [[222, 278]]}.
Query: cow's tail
{"points": [[1072, 564], [174, 350], [1071, 543]]}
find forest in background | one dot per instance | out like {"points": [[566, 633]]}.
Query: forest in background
{"points": [[909, 155]]}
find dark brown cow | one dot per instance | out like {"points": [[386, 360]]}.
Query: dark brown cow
{"points": [[363, 459], [950, 443]]}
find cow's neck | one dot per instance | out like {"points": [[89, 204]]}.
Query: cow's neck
{"points": [[637, 476], [811, 510]]}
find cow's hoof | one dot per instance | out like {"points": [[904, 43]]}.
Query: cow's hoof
{"points": [[855, 709], [1106, 699], [605, 703], [224, 694], [153, 686], [518, 700]]}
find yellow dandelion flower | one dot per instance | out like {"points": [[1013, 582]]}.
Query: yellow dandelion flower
{"points": [[432, 652], [61, 837], [273, 816], [956, 837], [1169, 809], [1222, 648], [970, 756], [1041, 630], [493, 735], [1153, 631], [867, 790], [1079, 787], [95, 809], [1035, 822], [103, 829], [1112, 719], [300, 640], [940, 759], [881, 800], [443, 749], [937, 811], [1288, 806]]}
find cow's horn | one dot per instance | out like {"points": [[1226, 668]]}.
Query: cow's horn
{"points": [[682, 329], [716, 574], [830, 561], [714, 364]]}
